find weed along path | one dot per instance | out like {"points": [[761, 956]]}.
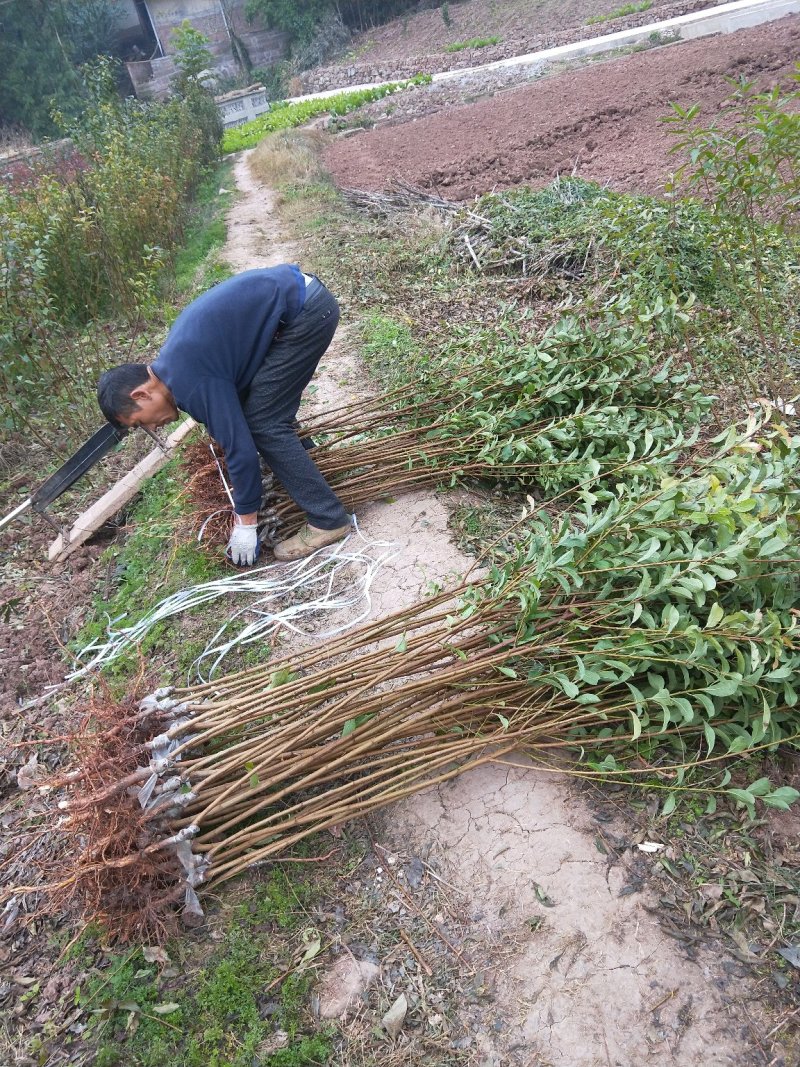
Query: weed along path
{"points": [[563, 959]]}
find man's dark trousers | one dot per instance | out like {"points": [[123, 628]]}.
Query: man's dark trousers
{"points": [[271, 406]]}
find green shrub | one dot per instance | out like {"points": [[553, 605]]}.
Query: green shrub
{"points": [[747, 171], [192, 54], [274, 78], [299, 20], [475, 42], [638, 246], [94, 242]]}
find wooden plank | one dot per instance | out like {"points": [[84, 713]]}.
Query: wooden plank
{"points": [[118, 496]]}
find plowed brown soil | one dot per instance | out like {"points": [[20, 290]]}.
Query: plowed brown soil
{"points": [[602, 122], [521, 25]]}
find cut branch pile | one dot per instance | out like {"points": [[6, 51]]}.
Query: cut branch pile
{"points": [[531, 233], [402, 197]]}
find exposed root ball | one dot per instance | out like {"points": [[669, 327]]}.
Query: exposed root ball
{"points": [[208, 502], [110, 877]]}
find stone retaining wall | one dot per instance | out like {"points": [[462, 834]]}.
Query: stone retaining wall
{"points": [[341, 76]]}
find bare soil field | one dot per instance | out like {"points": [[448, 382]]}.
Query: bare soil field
{"points": [[601, 122]]}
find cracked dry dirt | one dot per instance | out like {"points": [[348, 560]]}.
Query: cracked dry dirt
{"points": [[567, 935], [583, 974]]}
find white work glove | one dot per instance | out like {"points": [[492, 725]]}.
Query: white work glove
{"points": [[243, 546]]}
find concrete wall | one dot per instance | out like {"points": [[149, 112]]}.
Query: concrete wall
{"points": [[216, 20], [240, 107], [205, 15], [128, 17], [151, 78]]}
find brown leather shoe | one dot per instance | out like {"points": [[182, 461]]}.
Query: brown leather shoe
{"points": [[309, 539]]}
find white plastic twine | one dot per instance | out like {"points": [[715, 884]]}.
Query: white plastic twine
{"points": [[286, 596], [225, 486], [223, 479]]}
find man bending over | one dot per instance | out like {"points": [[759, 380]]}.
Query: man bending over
{"points": [[237, 359]]}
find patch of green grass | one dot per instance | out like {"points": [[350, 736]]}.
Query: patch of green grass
{"points": [[222, 1015], [277, 899], [319, 191], [386, 344], [621, 12], [197, 265], [75, 949], [473, 42], [356, 53], [125, 992], [151, 564]]}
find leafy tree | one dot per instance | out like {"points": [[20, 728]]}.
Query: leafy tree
{"points": [[90, 28], [36, 66], [298, 18], [192, 54]]}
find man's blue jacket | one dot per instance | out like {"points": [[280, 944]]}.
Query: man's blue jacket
{"points": [[211, 356]]}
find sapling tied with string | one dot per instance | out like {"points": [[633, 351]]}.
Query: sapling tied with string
{"points": [[650, 630]]}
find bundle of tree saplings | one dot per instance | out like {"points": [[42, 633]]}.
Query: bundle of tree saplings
{"points": [[692, 643], [585, 402], [346, 429], [190, 787], [651, 630], [598, 246]]}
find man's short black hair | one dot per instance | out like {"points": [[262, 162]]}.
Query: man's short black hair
{"points": [[115, 387]]}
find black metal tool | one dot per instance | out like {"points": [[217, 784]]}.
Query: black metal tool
{"points": [[101, 442]]}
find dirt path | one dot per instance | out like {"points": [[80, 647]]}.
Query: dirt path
{"points": [[582, 972], [562, 922], [602, 122]]}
